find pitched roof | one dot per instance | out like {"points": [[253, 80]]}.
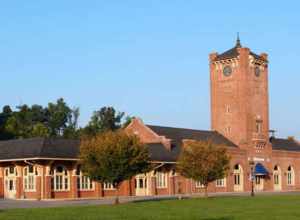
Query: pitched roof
{"points": [[39, 148], [158, 152], [285, 144], [59, 148], [66, 148], [233, 53], [179, 134]]}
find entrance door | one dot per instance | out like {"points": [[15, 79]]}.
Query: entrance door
{"points": [[10, 183], [259, 183], [10, 188], [141, 185]]}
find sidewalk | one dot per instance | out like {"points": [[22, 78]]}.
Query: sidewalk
{"points": [[13, 204]]}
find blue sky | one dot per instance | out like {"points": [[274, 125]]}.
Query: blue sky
{"points": [[147, 58]]}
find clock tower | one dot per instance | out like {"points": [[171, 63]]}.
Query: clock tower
{"points": [[239, 98]]}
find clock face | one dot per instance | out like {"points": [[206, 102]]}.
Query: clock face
{"points": [[257, 71], [227, 71]]}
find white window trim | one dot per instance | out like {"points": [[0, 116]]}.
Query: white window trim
{"points": [[222, 181], [291, 177], [27, 177], [108, 186], [199, 185], [161, 180], [81, 183], [63, 176]]}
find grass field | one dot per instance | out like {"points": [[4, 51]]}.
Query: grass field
{"points": [[227, 208]]}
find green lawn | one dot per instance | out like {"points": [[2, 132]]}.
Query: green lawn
{"points": [[229, 208]]}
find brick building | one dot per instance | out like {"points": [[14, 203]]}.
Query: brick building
{"points": [[45, 168]]}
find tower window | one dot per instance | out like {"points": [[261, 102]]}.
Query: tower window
{"points": [[227, 109], [228, 130], [258, 126]]}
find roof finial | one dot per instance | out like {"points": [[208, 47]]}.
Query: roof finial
{"points": [[238, 41]]}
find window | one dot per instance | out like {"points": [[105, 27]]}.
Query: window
{"points": [[60, 179], [161, 180], [258, 126], [237, 172], [220, 182], [11, 171], [109, 186], [198, 184], [228, 130], [290, 176], [227, 109], [83, 182], [276, 175], [29, 178]]}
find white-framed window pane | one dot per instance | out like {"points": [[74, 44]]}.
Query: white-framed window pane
{"points": [[161, 180], [198, 184], [220, 182]]}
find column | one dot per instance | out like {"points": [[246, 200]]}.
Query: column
{"points": [[47, 183], [99, 189], [19, 182], [171, 183], [1, 182], [73, 181], [153, 190], [38, 182]]}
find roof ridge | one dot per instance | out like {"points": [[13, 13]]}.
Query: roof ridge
{"points": [[191, 129]]}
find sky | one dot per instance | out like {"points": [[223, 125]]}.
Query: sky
{"points": [[146, 58]]}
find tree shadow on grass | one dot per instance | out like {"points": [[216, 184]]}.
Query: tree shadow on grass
{"points": [[219, 218]]}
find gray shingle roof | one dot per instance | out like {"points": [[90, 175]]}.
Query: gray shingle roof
{"points": [[285, 144], [39, 147], [158, 152], [179, 134], [66, 148]]}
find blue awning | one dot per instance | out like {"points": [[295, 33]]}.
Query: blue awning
{"points": [[260, 170]]}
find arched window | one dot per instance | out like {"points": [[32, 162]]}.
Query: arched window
{"points": [[10, 171], [83, 182], [276, 175], [290, 176], [29, 173], [60, 179]]}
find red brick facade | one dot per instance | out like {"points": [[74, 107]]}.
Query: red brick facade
{"points": [[239, 111]]}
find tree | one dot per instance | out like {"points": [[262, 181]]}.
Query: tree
{"points": [[113, 157], [55, 120], [4, 116], [106, 119], [203, 162], [39, 130], [58, 116]]}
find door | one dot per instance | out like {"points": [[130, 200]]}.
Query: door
{"points": [[141, 185], [277, 181], [10, 182], [10, 188], [259, 183]]}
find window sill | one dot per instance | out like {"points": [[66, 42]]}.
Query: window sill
{"points": [[31, 190], [56, 190], [83, 190]]}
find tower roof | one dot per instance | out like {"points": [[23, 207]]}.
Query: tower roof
{"points": [[234, 52]]}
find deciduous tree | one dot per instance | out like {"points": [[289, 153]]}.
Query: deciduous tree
{"points": [[203, 162], [113, 157]]}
